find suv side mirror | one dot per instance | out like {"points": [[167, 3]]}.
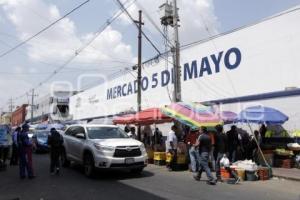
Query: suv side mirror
{"points": [[80, 136]]}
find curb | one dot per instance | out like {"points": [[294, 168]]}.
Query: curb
{"points": [[287, 177]]}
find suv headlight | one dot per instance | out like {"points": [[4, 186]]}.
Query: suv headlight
{"points": [[103, 148], [142, 147]]}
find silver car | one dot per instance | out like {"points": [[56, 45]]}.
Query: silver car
{"points": [[102, 146]]}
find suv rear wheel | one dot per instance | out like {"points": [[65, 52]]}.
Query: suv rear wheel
{"points": [[89, 165]]}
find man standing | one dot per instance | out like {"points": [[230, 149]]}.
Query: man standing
{"points": [[233, 141], [25, 150], [221, 148], [55, 142], [14, 156], [204, 143], [133, 133], [191, 140], [157, 137], [171, 147]]}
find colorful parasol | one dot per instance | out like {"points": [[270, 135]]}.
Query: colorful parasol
{"points": [[192, 114]]}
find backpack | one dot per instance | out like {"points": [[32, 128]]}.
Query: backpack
{"points": [[21, 138], [56, 139]]}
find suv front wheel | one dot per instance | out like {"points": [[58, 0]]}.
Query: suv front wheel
{"points": [[89, 165], [64, 160]]}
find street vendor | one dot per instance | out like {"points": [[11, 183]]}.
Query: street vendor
{"points": [[221, 148], [171, 147]]}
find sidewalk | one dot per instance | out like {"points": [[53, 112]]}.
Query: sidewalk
{"points": [[291, 174]]}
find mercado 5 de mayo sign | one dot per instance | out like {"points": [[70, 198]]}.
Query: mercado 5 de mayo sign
{"points": [[205, 66]]}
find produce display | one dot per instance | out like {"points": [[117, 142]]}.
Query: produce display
{"points": [[294, 146], [283, 152]]}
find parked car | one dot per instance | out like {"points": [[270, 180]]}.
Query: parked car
{"points": [[102, 147], [40, 141]]}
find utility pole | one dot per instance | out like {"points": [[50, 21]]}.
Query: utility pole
{"points": [[169, 17], [177, 67], [139, 68], [11, 105], [32, 104]]}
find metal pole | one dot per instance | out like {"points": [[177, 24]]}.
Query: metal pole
{"points": [[177, 68], [32, 104], [11, 105], [139, 77]]}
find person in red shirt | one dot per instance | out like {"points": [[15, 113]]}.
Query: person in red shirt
{"points": [[191, 140]]}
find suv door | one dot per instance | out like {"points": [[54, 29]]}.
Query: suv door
{"points": [[68, 142], [77, 143]]}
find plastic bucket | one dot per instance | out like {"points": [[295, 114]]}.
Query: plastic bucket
{"points": [[241, 173], [251, 176]]}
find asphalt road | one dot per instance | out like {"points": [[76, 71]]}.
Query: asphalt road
{"points": [[155, 183]]}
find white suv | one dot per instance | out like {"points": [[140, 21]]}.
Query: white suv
{"points": [[102, 146]]}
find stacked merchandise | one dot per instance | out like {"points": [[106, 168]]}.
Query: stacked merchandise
{"points": [[263, 173], [159, 158], [246, 169], [283, 158], [150, 154]]}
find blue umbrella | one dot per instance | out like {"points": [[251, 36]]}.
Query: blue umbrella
{"points": [[261, 114]]}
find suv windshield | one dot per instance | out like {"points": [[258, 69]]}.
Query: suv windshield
{"points": [[105, 133]]}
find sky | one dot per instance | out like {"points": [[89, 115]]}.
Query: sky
{"points": [[114, 50]]}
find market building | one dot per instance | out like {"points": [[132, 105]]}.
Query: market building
{"points": [[255, 64], [53, 107]]}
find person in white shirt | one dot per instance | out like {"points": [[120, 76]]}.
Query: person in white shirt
{"points": [[171, 147], [132, 133]]}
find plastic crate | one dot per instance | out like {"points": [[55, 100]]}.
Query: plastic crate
{"points": [[158, 156], [181, 159], [150, 154], [225, 175], [263, 173], [159, 162]]}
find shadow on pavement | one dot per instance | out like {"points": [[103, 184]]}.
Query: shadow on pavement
{"points": [[70, 185], [112, 174]]}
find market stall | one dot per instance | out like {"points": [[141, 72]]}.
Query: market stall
{"points": [[276, 150], [145, 117], [151, 116], [194, 116]]}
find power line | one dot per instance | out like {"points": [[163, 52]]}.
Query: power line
{"points": [[133, 21], [78, 51], [41, 31]]}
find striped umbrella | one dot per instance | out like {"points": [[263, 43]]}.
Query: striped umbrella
{"points": [[192, 114]]}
